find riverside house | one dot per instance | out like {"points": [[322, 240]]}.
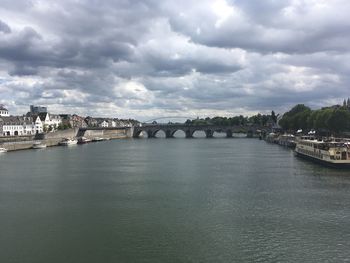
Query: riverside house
{"points": [[19, 126], [3, 111], [50, 120]]}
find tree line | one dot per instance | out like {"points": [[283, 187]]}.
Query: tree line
{"points": [[335, 119], [258, 119]]}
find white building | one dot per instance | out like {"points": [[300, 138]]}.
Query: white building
{"points": [[3, 111], [50, 120], [103, 124], [19, 126], [38, 125], [112, 123]]}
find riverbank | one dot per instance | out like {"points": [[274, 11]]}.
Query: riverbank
{"points": [[17, 143]]}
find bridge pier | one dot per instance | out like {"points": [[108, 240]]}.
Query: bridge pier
{"points": [[169, 134], [209, 133], [189, 134], [150, 134]]}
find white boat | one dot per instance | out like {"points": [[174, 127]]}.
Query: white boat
{"points": [[287, 140], [98, 139], [39, 145], [68, 142], [3, 150], [333, 153]]}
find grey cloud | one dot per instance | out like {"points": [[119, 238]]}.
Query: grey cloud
{"points": [[268, 26], [158, 57], [4, 27], [20, 70]]}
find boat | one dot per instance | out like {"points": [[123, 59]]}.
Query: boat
{"points": [[334, 153], [287, 140], [97, 139], [38, 145], [83, 140], [68, 141], [3, 150], [272, 138]]}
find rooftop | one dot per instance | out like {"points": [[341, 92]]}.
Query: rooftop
{"points": [[3, 108]]}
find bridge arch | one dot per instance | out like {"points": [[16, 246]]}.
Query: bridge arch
{"points": [[155, 132], [148, 132], [178, 131], [197, 133]]}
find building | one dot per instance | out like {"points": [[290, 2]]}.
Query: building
{"points": [[112, 123], [37, 109], [91, 122], [3, 111], [103, 124], [20, 126], [74, 121], [50, 121], [39, 127]]}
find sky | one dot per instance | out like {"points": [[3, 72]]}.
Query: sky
{"points": [[146, 59]]}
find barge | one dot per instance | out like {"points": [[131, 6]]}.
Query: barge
{"points": [[330, 153]]}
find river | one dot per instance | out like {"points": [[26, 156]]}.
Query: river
{"points": [[171, 200]]}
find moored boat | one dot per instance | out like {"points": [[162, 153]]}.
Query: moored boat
{"points": [[287, 140], [97, 139], [331, 153], [3, 150], [68, 142], [272, 138], [83, 140], [38, 145]]}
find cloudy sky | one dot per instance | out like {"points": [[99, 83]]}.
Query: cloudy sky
{"points": [[149, 58]]}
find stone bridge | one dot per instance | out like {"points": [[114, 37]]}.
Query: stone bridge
{"points": [[170, 129]]}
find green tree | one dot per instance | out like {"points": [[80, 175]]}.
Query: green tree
{"points": [[321, 121], [339, 121], [296, 118]]}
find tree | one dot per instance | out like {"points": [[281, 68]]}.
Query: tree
{"points": [[188, 122], [321, 121], [296, 118], [339, 120]]}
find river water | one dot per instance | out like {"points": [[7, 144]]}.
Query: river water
{"points": [[171, 200]]}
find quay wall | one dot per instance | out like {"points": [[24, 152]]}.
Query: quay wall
{"points": [[15, 143], [15, 146], [24, 145], [108, 133], [16, 138], [93, 133], [69, 133], [116, 134]]}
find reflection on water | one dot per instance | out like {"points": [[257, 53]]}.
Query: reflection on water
{"points": [[172, 200]]}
